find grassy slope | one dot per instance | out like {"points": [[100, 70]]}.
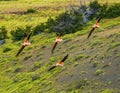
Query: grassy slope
{"points": [[28, 72], [93, 65]]}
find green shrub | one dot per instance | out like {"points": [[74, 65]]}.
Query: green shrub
{"points": [[80, 56], [113, 11], [98, 71], [94, 5], [105, 10], [95, 63], [67, 22], [107, 91], [3, 33], [6, 49], [39, 28], [30, 10], [20, 33]]}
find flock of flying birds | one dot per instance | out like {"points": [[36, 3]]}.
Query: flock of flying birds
{"points": [[58, 39]]}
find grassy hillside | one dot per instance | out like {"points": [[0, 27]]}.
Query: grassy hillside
{"points": [[93, 65]]}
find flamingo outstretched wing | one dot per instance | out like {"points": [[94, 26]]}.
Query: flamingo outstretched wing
{"points": [[90, 33], [51, 68], [23, 46], [28, 36], [64, 58], [54, 46], [20, 50], [56, 42], [60, 62], [98, 20]]}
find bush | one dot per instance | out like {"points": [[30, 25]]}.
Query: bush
{"points": [[105, 10], [20, 33], [6, 49], [30, 10], [94, 5], [98, 71], [67, 22], [107, 91], [3, 33], [113, 11], [39, 28], [95, 64]]}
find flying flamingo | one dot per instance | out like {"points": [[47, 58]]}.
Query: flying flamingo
{"points": [[58, 39], [60, 63], [96, 25], [26, 43]]}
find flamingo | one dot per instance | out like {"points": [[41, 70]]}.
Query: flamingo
{"points": [[60, 63], [26, 43], [96, 25], [58, 39]]}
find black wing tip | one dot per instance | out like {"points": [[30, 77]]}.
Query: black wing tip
{"points": [[90, 33], [52, 52], [99, 18], [29, 35], [51, 68], [67, 55], [88, 36], [16, 55], [59, 34], [55, 44]]}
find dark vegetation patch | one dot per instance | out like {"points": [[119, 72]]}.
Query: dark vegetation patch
{"points": [[27, 57], [20, 33], [3, 33], [6, 49]]}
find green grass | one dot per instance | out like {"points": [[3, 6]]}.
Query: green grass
{"points": [[113, 45], [107, 91], [98, 71]]}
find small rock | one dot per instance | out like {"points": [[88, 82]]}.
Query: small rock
{"points": [[66, 40], [2, 42], [43, 47], [118, 79]]}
